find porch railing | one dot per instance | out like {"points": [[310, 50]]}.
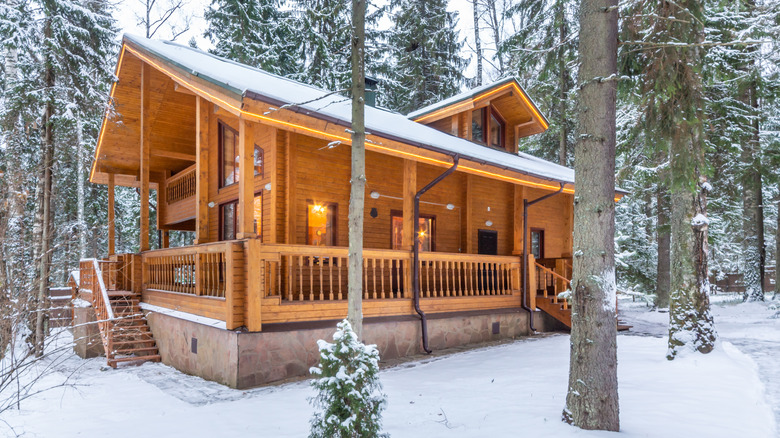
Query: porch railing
{"points": [[459, 275], [550, 282], [200, 270], [180, 186]]}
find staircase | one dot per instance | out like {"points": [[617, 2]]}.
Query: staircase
{"points": [[555, 307], [123, 328]]}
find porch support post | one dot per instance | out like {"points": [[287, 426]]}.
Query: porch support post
{"points": [[568, 225], [407, 235], [469, 222], [255, 281], [145, 157], [111, 228], [246, 180], [290, 191], [201, 171], [517, 219], [271, 236]]}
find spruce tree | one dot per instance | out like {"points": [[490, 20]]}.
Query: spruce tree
{"points": [[424, 63], [349, 398], [253, 32]]}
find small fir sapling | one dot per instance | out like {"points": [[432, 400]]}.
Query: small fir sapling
{"points": [[349, 400]]}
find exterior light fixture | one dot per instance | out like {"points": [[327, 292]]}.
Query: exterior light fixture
{"points": [[489, 223], [212, 204], [374, 195], [450, 207], [268, 187]]}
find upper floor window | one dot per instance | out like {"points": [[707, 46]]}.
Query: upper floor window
{"points": [[228, 155], [321, 224], [425, 238], [487, 127]]}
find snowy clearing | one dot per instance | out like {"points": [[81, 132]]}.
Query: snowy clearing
{"points": [[506, 390]]}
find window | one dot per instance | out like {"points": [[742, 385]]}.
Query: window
{"points": [[537, 243], [228, 220], [228, 155], [496, 130], [478, 125], [425, 238], [259, 161], [487, 127], [258, 214], [321, 224]]}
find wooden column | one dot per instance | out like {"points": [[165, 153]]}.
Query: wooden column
{"points": [[469, 222], [517, 219], [272, 234], [246, 180], [409, 190], [111, 227], [254, 290], [201, 171], [568, 227], [145, 157], [290, 192], [166, 239]]}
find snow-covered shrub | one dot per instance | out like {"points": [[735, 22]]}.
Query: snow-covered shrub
{"points": [[350, 401]]}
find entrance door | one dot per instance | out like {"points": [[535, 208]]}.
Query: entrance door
{"points": [[487, 242]]}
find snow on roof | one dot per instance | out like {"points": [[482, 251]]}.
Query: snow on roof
{"points": [[459, 97], [75, 275], [316, 102]]}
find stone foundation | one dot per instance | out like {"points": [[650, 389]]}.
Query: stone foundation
{"points": [[86, 334], [243, 359]]}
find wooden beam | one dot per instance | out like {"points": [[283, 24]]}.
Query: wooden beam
{"points": [[568, 226], [254, 322], [174, 155], [162, 201], [145, 156], [290, 182], [272, 236], [179, 89], [166, 239], [201, 171], [409, 190], [517, 219], [469, 214], [111, 227], [246, 180]]}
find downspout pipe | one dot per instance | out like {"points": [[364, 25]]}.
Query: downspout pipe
{"points": [[416, 250], [525, 303]]}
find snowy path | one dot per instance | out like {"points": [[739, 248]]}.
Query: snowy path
{"points": [[515, 389], [750, 327]]}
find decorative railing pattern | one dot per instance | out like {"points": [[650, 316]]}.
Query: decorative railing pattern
{"points": [[196, 270], [549, 281], [181, 186], [459, 275], [92, 276]]}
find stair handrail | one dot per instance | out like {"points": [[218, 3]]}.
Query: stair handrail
{"points": [[554, 274], [103, 290]]}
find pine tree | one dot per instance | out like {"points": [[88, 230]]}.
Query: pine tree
{"points": [[257, 33], [349, 396], [424, 63]]}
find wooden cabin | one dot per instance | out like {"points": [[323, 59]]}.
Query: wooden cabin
{"points": [[258, 168]]}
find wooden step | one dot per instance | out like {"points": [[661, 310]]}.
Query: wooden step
{"points": [[121, 294], [151, 358], [125, 344], [128, 351]]}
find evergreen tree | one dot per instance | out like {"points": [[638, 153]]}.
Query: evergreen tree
{"points": [[349, 395], [424, 63], [257, 33]]}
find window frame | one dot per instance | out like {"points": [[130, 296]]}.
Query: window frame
{"points": [[335, 227], [487, 111], [262, 161], [541, 241], [221, 213], [400, 214]]}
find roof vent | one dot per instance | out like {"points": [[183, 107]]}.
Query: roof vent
{"points": [[371, 91]]}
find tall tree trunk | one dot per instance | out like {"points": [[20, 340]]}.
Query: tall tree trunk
{"points": [[80, 189], [777, 252], [477, 43], [592, 399], [663, 237], [358, 181], [45, 205], [496, 27], [752, 209], [562, 84]]}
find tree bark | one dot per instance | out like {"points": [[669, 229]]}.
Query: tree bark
{"points": [[477, 43], [563, 84], [82, 228], [358, 180], [777, 253], [663, 236], [592, 399]]}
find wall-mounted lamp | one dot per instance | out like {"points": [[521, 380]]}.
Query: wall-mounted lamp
{"points": [[489, 223], [268, 187], [374, 195], [488, 208], [212, 205], [450, 206]]}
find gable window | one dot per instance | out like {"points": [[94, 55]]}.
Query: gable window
{"points": [[425, 238], [228, 155], [478, 125], [487, 127], [321, 224], [496, 130], [537, 243]]}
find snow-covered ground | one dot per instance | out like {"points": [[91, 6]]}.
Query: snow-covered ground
{"points": [[514, 389]]}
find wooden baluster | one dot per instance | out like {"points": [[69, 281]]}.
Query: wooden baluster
{"points": [[447, 271], [382, 277], [341, 294], [322, 292], [289, 278], [427, 278], [330, 277], [373, 277]]}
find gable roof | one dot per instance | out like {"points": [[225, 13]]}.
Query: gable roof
{"points": [[240, 81]]}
